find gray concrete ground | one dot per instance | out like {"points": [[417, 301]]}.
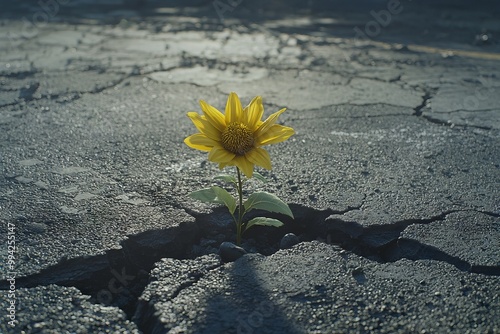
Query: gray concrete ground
{"points": [[393, 174]]}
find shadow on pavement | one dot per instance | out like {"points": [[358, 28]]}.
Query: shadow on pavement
{"points": [[248, 307]]}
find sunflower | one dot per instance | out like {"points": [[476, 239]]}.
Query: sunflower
{"points": [[236, 138]]}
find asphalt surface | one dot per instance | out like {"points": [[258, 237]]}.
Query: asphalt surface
{"points": [[393, 174]]}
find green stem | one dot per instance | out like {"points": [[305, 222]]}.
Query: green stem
{"points": [[240, 209]]}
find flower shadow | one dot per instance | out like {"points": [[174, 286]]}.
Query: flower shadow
{"points": [[247, 302]]}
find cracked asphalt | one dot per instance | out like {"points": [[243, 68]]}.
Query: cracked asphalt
{"points": [[393, 174]]}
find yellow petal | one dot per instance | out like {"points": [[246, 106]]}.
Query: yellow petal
{"points": [[275, 134], [260, 157], [204, 126], [244, 165], [213, 115], [268, 123], [254, 112], [200, 142], [219, 154], [234, 112]]}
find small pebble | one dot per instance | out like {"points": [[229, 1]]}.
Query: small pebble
{"points": [[37, 228], [24, 180], [68, 210], [42, 185], [289, 240], [229, 252]]}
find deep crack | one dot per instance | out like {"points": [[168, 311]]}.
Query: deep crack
{"points": [[120, 276], [425, 100], [383, 243], [418, 111], [146, 316]]}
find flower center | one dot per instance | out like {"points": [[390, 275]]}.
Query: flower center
{"points": [[237, 138]]}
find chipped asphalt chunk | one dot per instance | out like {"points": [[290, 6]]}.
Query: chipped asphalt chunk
{"points": [[42, 185], [30, 162], [84, 196], [131, 198], [69, 210], [70, 170], [24, 180]]}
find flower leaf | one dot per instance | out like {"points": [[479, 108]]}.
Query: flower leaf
{"points": [[226, 178], [215, 195], [263, 221], [205, 195], [226, 198], [266, 201], [259, 177]]}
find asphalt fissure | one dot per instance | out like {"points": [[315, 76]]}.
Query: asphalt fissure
{"points": [[425, 101], [383, 243], [146, 316], [119, 276]]}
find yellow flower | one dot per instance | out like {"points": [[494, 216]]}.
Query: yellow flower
{"points": [[236, 138]]}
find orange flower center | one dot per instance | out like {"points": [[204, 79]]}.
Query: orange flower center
{"points": [[237, 138]]}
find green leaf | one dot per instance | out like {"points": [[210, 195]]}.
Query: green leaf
{"points": [[225, 197], [226, 178], [263, 221], [205, 195], [259, 177], [215, 195], [266, 201]]}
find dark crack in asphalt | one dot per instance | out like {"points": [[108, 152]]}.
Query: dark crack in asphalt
{"points": [[119, 276], [383, 243], [428, 94], [145, 315]]}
